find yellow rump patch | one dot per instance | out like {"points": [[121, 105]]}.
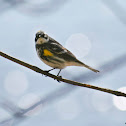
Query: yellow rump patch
{"points": [[47, 53]]}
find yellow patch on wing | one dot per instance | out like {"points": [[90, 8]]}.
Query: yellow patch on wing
{"points": [[47, 53]]}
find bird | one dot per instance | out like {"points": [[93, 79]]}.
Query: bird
{"points": [[53, 54]]}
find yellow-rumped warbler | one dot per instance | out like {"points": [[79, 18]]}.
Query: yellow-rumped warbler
{"points": [[54, 54]]}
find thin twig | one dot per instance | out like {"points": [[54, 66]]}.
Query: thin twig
{"points": [[38, 70], [108, 67]]}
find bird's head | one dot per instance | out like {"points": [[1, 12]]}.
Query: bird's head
{"points": [[41, 37]]}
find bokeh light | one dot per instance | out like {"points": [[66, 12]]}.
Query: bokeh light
{"points": [[68, 109], [78, 44], [15, 82], [120, 102]]}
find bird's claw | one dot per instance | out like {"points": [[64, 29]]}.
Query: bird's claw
{"points": [[46, 71], [60, 77]]}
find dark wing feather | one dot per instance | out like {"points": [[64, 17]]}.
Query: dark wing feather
{"points": [[59, 51]]}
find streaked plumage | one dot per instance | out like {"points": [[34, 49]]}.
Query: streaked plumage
{"points": [[54, 54]]}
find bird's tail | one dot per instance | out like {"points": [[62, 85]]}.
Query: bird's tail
{"points": [[79, 63]]}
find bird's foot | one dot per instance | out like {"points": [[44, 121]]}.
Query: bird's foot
{"points": [[59, 77], [47, 71]]}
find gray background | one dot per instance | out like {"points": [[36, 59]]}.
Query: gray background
{"points": [[103, 22]]}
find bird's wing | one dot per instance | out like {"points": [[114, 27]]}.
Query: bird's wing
{"points": [[59, 51]]}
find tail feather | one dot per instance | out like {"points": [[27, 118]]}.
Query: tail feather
{"points": [[79, 63]]}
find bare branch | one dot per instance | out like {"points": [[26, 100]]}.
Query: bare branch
{"points": [[38, 70], [108, 67]]}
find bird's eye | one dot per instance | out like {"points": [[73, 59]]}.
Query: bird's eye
{"points": [[39, 35]]}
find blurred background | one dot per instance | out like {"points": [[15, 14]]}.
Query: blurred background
{"points": [[95, 31]]}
